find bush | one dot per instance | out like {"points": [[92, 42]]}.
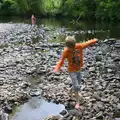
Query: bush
{"points": [[82, 9]]}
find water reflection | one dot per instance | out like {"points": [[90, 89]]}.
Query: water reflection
{"points": [[37, 109]]}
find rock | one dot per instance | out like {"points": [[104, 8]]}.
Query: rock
{"points": [[100, 105], [117, 118], [64, 112], [100, 53], [75, 113], [46, 29], [99, 64], [24, 85], [92, 69], [8, 109], [99, 115], [111, 41], [118, 106], [1, 82], [3, 116], [106, 100], [74, 118], [96, 108], [56, 77], [30, 70], [98, 57], [35, 92], [109, 71], [41, 71], [117, 45], [117, 59], [52, 117]]}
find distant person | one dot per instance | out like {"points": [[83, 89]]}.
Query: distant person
{"points": [[33, 19], [73, 52]]}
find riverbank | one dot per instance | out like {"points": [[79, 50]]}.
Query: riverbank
{"points": [[26, 53]]}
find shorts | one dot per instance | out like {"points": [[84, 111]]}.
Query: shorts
{"points": [[76, 80]]}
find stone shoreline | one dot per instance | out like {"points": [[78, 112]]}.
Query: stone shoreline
{"points": [[25, 53]]}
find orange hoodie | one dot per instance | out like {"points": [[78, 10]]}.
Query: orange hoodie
{"points": [[74, 57]]}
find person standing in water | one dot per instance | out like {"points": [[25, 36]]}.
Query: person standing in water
{"points": [[33, 19], [73, 52]]}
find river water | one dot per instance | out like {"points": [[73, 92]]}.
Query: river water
{"points": [[89, 29]]}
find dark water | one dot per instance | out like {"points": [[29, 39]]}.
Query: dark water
{"points": [[101, 30], [37, 109]]}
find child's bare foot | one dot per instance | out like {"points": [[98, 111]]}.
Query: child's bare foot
{"points": [[77, 106]]}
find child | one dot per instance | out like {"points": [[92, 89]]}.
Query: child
{"points": [[33, 19], [73, 52]]}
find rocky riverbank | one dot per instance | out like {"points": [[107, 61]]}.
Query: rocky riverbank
{"points": [[25, 70]]}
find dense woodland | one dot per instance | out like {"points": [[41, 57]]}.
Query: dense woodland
{"points": [[80, 9]]}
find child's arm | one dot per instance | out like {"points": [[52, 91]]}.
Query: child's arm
{"points": [[90, 42], [60, 62]]}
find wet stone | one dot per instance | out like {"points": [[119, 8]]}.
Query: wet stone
{"points": [[118, 106], [1, 82], [92, 69], [8, 109], [99, 115]]}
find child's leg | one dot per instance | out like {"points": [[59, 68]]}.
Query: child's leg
{"points": [[76, 86], [77, 96], [79, 77], [79, 80]]}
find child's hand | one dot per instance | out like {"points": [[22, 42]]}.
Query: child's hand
{"points": [[96, 39], [62, 70], [53, 70], [83, 67]]}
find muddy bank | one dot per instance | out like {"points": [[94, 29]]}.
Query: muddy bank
{"points": [[26, 53]]}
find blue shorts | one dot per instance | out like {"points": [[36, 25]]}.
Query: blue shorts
{"points": [[76, 80]]}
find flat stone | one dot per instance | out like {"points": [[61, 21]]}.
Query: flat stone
{"points": [[92, 69], [99, 115], [118, 106], [105, 100], [1, 82]]}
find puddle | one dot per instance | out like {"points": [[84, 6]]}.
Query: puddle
{"points": [[37, 109]]}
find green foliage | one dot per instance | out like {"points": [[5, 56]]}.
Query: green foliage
{"points": [[8, 7], [85, 9], [51, 7], [81, 8], [108, 9]]}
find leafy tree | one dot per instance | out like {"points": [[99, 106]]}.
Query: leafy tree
{"points": [[80, 9]]}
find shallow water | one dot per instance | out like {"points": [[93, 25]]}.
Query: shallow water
{"points": [[37, 109]]}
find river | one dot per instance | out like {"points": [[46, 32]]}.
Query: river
{"points": [[89, 29]]}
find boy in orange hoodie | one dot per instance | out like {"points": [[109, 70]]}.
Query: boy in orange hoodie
{"points": [[73, 52]]}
